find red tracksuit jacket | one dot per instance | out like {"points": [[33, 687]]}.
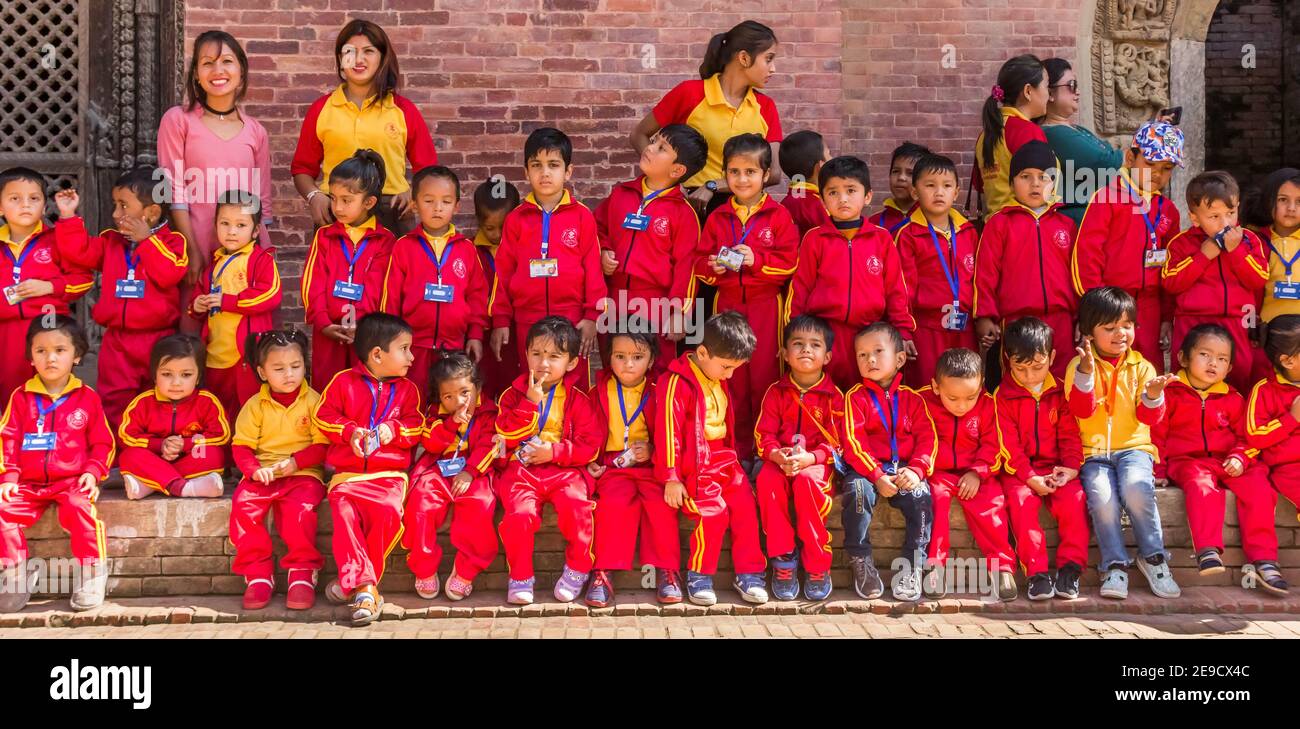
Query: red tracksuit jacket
{"points": [[806, 209], [682, 450], [575, 293], [866, 441], [891, 217], [1222, 287], [43, 261], [83, 442], [856, 282], [151, 418], [161, 262], [347, 403], [581, 439], [412, 267], [1110, 247], [923, 272], [786, 413], [1036, 434], [257, 303], [327, 264], [607, 410], [1202, 425], [1022, 267], [772, 235], [658, 259], [442, 434], [1269, 426], [968, 443]]}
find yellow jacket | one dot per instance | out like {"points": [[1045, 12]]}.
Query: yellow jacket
{"points": [[277, 432], [1112, 416]]}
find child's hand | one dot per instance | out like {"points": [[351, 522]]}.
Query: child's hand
{"points": [[909, 347], [1161, 482], [462, 415], [749, 253], [799, 461], [89, 485], [1233, 466], [474, 348], [67, 201], [968, 486], [7, 491], [134, 228], [716, 267], [885, 486], [338, 333], [287, 467], [587, 328], [1087, 360], [608, 263], [674, 493], [460, 483], [1210, 249], [640, 451], [171, 447], [500, 338], [596, 470], [1040, 485], [358, 442], [385, 432], [534, 392], [1233, 237], [907, 479], [264, 475], [987, 332], [1062, 475], [200, 304], [34, 288], [779, 456], [540, 452], [1156, 387]]}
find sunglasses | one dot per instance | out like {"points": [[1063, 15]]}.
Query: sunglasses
{"points": [[1072, 85]]}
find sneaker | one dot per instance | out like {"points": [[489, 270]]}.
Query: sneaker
{"points": [[817, 586], [601, 591], [302, 590], [907, 585], [1067, 580], [933, 584], [1159, 576], [334, 592], [209, 485], [14, 589], [1270, 578], [1007, 590], [428, 587], [90, 593], [520, 592], [1115, 584], [366, 606], [866, 578], [257, 594], [570, 584], [135, 489], [668, 586], [1041, 587], [1209, 562], [458, 588], [751, 586], [699, 588], [785, 577]]}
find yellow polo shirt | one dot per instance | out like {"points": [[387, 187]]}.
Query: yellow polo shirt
{"points": [[638, 430], [1287, 247], [715, 404], [701, 104], [277, 432], [223, 326]]}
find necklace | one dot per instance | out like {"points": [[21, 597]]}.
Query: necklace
{"points": [[218, 114]]}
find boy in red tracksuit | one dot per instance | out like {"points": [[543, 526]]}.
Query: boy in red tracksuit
{"points": [[1041, 454], [650, 234], [1022, 267], [849, 273], [798, 439], [697, 461], [1124, 237], [965, 467], [371, 416], [1273, 423], [143, 262], [1216, 271], [901, 202], [937, 249], [493, 201], [435, 280], [551, 431], [764, 237], [802, 156]]}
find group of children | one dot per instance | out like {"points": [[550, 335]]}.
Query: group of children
{"points": [[844, 359]]}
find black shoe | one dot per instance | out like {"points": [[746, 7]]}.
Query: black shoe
{"points": [[1067, 580], [866, 579], [1041, 587], [1270, 578]]}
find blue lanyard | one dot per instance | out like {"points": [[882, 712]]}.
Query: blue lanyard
{"points": [[18, 262], [353, 258], [374, 402], [953, 284], [132, 261], [546, 411], [437, 262], [898, 225], [463, 438], [891, 425], [216, 280], [546, 232], [43, 411], [744, 232], [1288, 263], [1150, 222], [622, 406], [646, 200]]}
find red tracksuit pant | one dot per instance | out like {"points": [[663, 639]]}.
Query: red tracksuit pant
{"points": [[1243, 355], [170, 476], [328, 358], [367, 516], [986, 517], [1204, 484], [844, 360], [750, 381], [1286, 479], [77, 516], [1068, 506], [16, 366], [472, 532], [124, 368], [232, 386], [1062, 324], [720, 498], [523, 491], [1147, 333], [811, 491], [498, 375], [293, 501], [628, 499], [932, 340]]}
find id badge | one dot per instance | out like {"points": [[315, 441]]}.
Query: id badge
{"points": [[130, 288], [449, 467], [730, 259], [956, 320], [1286, 291], [890, 468], [439, 293], [348, 290], [626, 459], [38, 441], [1156, 258], [636, 221], [11, 295], [543, 267], [372, 444]]}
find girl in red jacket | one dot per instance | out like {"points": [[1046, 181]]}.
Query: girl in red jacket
{"points": [[1273, 417]]}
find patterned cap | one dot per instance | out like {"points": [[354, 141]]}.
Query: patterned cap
{"points": [[1160, 142]]}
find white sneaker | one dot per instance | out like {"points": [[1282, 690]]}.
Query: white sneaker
{"points": [[1160, 578], [135, 490], [209, 485], [14, 592], [1115, 584], [90, 592]]}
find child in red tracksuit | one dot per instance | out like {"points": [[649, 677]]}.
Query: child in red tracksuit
{"points": [[551, 431], [344, 275], [1202, 442], [1041, 454], [55, 448], [1216, 271], [965, 466], [650, 235], [763, 243], [937, 249], [1022, 267], [280, 453], [798, 440], [493, 201], [849, 273], [242, 285], [435, 280], [455, 470], [628, 497], [371, 416], [901, 202], [697, 462], [802, 156], [1273, 425], [549, 260], [143, 262]]}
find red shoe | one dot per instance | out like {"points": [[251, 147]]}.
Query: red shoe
{"points": [[302, 590], [258, 593]]}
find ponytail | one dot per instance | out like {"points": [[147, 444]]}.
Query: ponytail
{"points": [[364, 171], [1014, 75], [749, 36]]}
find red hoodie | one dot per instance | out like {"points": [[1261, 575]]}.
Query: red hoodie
{"points": [[83, 442], [658, 258], [866, 440], [41, 260], [607, 409], [353, 399], [1036, 433], [1202, 424], [159, 261], [327, 265], [581, 439], [1113, 239], [1269, 425], [443, 436], [682, 449], [923, 271], [412, 271], [817, 414], [769, 232], [1224, 286], [969, 443], [151, 418], [1033, 251], [856, 281], [804, 203]]}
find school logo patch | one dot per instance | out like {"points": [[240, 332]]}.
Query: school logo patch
{"points": [[303, 426], [570, 237], [1164, 224], [42, 255], [392, 131], [874, 266], [906, 421], [1061, 239], [192, 429], [973, 426], [78, 418], [1222, 417], [458, 268], [765, 236], [1053, 416], [661, 226], [969, 262]]}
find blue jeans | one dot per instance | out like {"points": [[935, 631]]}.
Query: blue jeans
{"points": [[860, 503], [1124, 480]]}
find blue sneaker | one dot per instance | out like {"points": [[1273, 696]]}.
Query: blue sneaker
{"points": [[817, 586], [601, 591], [699, 588], [785, 577], [751, 586], [668, 584]]}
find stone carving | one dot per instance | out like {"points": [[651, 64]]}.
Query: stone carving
{"points": [[1130, 57]]}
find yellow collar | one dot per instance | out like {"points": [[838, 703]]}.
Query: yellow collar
{"points": [[339, 98], [37, 386], [1048, 384], [889, 203], [749, 209], [365, 227], [1218, 388], [1274, 235], [805, 185], [1010, 110], [564, 200], [1124, 174], [265, 393], [959, 221], [223, 253], [714, 97], [1282, 379], [699, 373], [451, 231], [5, 234]]}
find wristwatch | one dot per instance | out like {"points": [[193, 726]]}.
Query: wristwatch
{"points": [[711, 185]]}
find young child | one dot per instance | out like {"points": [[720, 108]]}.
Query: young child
{"points": [[1026, 240], [650, 234], [1202, 441], [1117, 396], [33, 275], [628, 496], [901, 202], [344, 275], [965, 467], [55, 448], [1124, 237], [696, 459], [174, 435], [455, 470], [435, 279], [143, 263], [798, 439], [763, 241], [1280, 203], [371, 416], [1041, 456], [551, 431], [280, 453], [237, 295], [1216, 270], [802, 155], [493, 201], [890, 449], [937, 249], [849, 273], [549, 260], [1272, 427]]}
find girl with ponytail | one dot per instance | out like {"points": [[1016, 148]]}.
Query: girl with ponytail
{"points": [[1018, 97]]}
